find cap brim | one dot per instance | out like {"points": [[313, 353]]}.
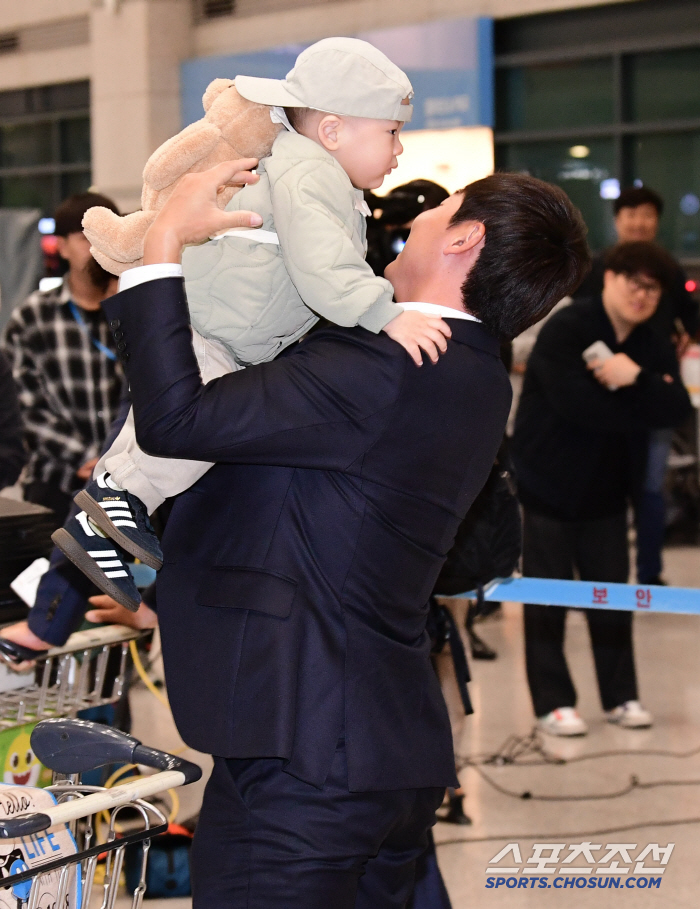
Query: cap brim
{"points": [[266, 91]]}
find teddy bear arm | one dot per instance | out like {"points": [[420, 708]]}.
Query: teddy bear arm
{"points": [[116, 239]]}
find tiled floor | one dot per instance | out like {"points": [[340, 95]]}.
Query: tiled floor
{"points": [[667, 649]]}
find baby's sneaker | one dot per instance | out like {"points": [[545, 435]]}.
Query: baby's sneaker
{"points": [[630, 715], [98, 558], [122, 517]]}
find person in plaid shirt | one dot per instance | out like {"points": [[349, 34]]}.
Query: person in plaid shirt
{"points": [[61, 353]]}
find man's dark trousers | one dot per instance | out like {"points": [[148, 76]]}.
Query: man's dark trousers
{"points": [[356, 851], [597, 550]]}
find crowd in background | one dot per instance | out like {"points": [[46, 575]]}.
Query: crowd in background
{"points": [[601, 397]]}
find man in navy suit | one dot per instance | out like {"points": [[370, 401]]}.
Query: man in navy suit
{"points": [[292, 601]]}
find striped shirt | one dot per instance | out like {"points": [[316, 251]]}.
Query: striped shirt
{"points": [[69, 389]]}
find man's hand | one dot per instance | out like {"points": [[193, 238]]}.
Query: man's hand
{"points": [[191, 214], [415, 331], [85, 471], [109, 611], [20, 633], [617, 372]]}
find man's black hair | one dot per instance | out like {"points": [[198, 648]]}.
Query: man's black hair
{"points": [[640, 258], [634, 196], [69, 214], [534, 252]]}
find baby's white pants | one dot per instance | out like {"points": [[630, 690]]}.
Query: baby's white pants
{"points": [[153, 479]]}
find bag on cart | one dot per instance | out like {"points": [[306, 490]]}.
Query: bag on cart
{"points": [[168, 870]]}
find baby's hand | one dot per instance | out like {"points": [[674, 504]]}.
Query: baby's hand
{"points": [[415, 332]]}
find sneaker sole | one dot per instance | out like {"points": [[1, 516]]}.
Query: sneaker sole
{"points": [[561, 734], [100, 517], [628, 725], [77, 555]]}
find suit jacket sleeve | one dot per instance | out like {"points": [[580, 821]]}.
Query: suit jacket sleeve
{"points": [[319, 405]]}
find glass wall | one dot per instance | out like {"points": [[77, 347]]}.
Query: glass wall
{"points": [[671, 165], [591, 125], [664, 85], [44, 145], [579, 169], [551, 95]]}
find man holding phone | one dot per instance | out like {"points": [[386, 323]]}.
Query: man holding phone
{"points": [[638, 212], [598, 382]]}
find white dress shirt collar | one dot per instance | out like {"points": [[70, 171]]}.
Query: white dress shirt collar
{"points": [[139, 275], [444, 312]]}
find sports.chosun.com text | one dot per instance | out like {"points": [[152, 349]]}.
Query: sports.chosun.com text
{"points": [[568, 883]]}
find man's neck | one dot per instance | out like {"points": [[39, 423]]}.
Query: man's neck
{"points": [[83, 292], [430, 294]]}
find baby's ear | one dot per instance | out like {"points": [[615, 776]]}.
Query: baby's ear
{"points": [[329, 131]]}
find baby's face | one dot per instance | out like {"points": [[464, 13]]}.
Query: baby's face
{"points": [[368, 150]]}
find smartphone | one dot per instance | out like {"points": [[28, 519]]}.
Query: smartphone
{"points": [[599, 350]]}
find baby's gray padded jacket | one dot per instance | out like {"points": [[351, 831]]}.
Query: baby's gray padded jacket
{"points": [[257, 298]]}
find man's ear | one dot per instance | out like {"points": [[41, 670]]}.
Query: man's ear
{"points": [[465, 237], [329, 130], [61, 246]]}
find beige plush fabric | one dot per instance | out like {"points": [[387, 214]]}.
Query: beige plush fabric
{"points": [[257, 298], [231, 128]]}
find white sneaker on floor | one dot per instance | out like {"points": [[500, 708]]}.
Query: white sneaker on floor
{"points": [[563, 721], [631, 715]]}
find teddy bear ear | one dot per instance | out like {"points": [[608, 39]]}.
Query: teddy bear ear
{"points": [[213, 91]]}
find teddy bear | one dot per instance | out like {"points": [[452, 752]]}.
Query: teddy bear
{"points": [[232, 127]]}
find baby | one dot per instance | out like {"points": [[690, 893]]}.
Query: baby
{"points": [[251, 293]]}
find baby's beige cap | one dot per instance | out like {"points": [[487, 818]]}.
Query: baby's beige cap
{"points": [[340, 76]]}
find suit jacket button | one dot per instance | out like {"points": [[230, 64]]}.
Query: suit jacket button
{"points": [[115, 323], [121, 345], [118, 335]]}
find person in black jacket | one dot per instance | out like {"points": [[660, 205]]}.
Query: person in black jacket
{"points": [[292, 598], [12, 453], [580, 449], [677, 318]]}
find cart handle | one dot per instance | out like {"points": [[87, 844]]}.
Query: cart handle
{"points": [[102, 800], [74, 746]]}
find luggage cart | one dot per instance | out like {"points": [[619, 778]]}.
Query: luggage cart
{"points": [[71, 678], [70, 747]]}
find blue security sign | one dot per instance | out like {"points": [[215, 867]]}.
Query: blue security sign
{"points": [[449, 63]]}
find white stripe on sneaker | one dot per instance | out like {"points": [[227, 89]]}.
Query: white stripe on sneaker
{"points": [[103, 554], [112, 563], [124, 524], [116, 574]]}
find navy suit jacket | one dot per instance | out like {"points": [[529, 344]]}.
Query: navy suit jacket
{"points": [[293, 597]]}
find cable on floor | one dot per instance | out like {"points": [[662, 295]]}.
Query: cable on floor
{"points": [[515, 752]]}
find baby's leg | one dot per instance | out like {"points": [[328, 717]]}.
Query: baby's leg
{"points": [[155, 479]]}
